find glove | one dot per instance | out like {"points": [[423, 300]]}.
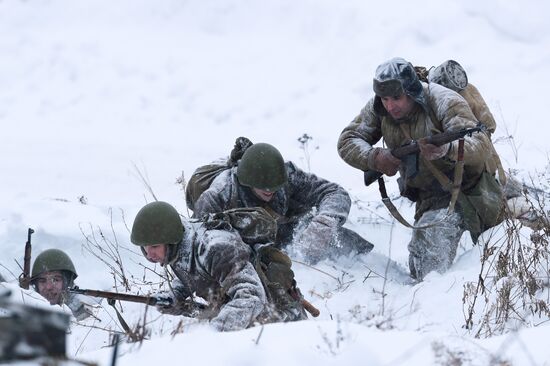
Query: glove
{"points": [[171, 304], [316, 238], [384, 162], [167, 306], [82, 312], [81, 306], [433, 152], [241, 144]]}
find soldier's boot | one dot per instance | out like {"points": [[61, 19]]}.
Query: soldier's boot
{"points": [[348, 241]]}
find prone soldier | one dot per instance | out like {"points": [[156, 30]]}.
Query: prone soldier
{"points": [[212, 263], [53, 272], [310, 211]]}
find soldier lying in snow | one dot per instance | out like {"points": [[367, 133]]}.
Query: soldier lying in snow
{"points": [[53, 273], [309, 210], [211, 263]]}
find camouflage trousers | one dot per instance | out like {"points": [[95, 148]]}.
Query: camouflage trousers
{"points": [[434, 248]]}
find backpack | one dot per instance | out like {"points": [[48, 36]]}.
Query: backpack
{"points": [[452, 75], [482, 204], [258, 229], [203, 176]]}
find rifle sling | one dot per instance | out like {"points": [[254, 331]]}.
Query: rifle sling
{"points": [[389, 204], [121, 320], [446, 183], [459, 171], [394, 211], [459, 167]]}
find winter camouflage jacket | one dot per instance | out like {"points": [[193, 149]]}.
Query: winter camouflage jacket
{"points": [[215, 265], [451, 112], [299, 195]]}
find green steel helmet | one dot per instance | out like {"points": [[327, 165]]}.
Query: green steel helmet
{"points": [[262, 167], [157, 223], [53, 260]]}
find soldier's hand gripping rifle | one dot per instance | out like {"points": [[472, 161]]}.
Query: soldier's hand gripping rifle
{"points": [[186, 307], [408, 153], [25, 277]]}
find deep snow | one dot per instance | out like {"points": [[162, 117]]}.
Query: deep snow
{"points": [[95, 91]]}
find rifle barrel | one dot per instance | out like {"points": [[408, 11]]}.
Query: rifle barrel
{"points": [[443, 138], [115, 296], [25, 277], [437, 140]]}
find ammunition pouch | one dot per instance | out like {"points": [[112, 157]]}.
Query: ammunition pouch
{"points": [[274, 269], [482, 206]]}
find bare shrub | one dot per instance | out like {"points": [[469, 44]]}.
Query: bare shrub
{"points": [[512, 290]]}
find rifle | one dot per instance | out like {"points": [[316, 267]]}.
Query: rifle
{"points": [[189, 307], [408, 153], [310, 308], [25, 277]]}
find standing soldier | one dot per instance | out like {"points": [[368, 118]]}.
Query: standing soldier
{"points": [[53, 273], [309, 210], [214, 264], [402, 109]]}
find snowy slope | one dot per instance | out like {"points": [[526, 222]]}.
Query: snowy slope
{"points": [[92, 90]]}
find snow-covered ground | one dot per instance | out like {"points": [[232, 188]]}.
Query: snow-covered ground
{"points": [[94, 92]]}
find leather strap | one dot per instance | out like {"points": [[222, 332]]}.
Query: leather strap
{"points": [[395, 212], [446, 183]]}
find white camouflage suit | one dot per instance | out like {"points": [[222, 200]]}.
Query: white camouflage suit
{"points": [[309, 211], [215, 264]]}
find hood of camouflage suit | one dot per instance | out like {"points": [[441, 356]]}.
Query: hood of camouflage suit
{"points": [[394, 77]]}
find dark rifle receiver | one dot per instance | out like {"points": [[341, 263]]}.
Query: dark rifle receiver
{"points": [[409, 153], [25, 277]]}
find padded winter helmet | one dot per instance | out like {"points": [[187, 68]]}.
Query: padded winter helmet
{"points": [[53, 260], [262, 167], [395, 77], [157, 223], [449, 74]]}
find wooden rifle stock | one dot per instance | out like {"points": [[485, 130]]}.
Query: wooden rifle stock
{"points": [[296, 294], [25, 277], [310, 308]]}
